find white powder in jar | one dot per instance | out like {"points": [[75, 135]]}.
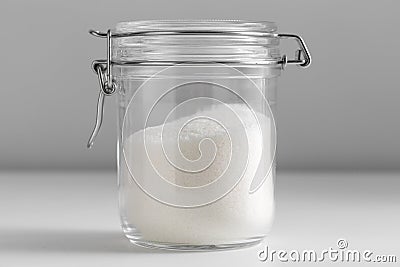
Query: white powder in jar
{"points": [[238, 215]]}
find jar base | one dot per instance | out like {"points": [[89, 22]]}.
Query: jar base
{"points": [[138, 241]]}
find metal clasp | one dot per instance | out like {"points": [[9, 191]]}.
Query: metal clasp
{"points": [[302, 56], [107, 85]]}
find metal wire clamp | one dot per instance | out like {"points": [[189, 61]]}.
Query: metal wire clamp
{"points": [[108, 87]]}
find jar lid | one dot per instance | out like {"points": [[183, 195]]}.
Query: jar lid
{"points": [[196, 25], [195, 41]]}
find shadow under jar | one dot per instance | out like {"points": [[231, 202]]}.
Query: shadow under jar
{"points": [[197, 136]]}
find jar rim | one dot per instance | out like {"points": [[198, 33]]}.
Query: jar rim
{"points": [[205, 25], [195, 41]]}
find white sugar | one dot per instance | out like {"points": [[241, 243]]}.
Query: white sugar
{"points": [[238, 215]]}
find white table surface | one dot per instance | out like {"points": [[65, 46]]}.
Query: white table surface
{"points": [[71, 219]]}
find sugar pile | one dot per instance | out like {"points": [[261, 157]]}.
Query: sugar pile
{"points": [[238, 215]]}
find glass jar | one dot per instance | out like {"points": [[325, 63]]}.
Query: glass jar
{"points": [[197, 136]]}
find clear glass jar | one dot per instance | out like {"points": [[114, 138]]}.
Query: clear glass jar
{"points": [[197, 137]]}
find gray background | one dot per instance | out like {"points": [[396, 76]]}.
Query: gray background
{"points": [[342, 113]]}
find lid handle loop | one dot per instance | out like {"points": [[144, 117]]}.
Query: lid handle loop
{"points": [[302, 56]]}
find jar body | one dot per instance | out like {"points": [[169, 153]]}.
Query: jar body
{"points": [[196, 154]]}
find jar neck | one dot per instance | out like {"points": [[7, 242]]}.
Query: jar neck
{"points": [[238, 42]]}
